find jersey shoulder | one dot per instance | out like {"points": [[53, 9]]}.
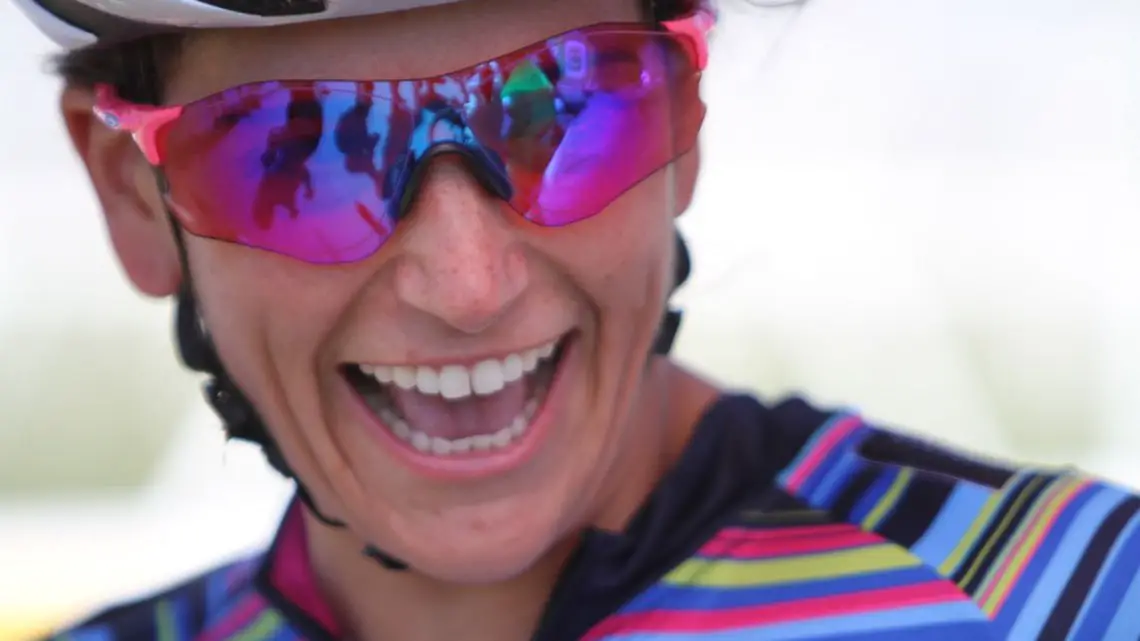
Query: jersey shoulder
{"points": [[1041, 553], [185, 611]]}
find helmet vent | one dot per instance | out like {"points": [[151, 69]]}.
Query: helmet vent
{"points": [[270, 8]]}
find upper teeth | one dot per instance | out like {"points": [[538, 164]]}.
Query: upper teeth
{"points": [[454, 382]]}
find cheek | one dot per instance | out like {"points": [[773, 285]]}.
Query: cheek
{"points": [[622, 256], [270, 317]]}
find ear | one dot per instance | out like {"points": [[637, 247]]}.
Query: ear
{"points": [[128, 193], [688, 169]]}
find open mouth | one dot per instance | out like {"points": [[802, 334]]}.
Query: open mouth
{"points": [[460, 410]]}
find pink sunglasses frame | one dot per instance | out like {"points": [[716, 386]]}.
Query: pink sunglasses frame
{"points": [[146, 122]]}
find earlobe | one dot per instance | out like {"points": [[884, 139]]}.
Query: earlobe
{"points": [[128, 195]]}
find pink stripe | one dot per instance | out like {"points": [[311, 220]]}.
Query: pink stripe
{"points": [[241, 616], [743, 549], [746, 534], [678, 621], [820, 452], [292, 575], [1013, 551]]}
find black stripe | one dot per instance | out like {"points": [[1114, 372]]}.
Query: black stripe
{"points": [[1076, 591], [996, 532], [856, 488], [916, 509], [195, 605], [781, 502], [899, 449], [780, 519], [270, 7]]}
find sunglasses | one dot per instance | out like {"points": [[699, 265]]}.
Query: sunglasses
{"points": [[322, 170]]}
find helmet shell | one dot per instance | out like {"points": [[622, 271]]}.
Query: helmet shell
{"points": [[74, 24]]}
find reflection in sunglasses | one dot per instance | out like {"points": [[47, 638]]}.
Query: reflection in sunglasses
{"points": [[356, 142], [287, 150], [601, 146], [558, 129]]}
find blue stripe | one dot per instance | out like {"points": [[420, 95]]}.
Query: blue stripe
{"points": [[179, 611], [958, 513], [871, 497], [100, 633], [1105, 597], [1030, 583], [1059, 555], [216, 589], [1037, 564], [1007, 496], [686, 598], [828, 464], [825, 488], [236, 583], [960, 620], [1126, 624], [284, 633], [947, 631], [810, 446]]}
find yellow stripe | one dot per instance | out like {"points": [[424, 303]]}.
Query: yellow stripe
{"points": [[1044, 522], [165, 623], [971, 536], [889, 499], [1044, 499], [1022, 497], [262, 627], [827, 565]]}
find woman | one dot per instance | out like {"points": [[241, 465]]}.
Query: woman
{"points": [[474, 397]]}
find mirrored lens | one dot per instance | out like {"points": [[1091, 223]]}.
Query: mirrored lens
{"points": [[317, 170]]}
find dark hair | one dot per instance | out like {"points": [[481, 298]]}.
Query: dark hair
{"points": [[136, 68]]}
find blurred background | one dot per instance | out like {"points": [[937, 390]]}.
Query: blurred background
{"points": [[923, 209]]}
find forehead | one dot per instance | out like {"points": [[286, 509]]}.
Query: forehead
{"points": [[408, 44]]}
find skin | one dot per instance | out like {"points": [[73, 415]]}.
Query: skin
{"points": [[464, 276]]}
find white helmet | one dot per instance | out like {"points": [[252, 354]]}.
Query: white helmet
{"points": [[73, 24]]}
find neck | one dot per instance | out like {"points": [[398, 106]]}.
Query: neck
{"points": [[375, 604]]}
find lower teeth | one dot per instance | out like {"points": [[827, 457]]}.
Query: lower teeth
{"points": [[446, 447], [378, 400]]}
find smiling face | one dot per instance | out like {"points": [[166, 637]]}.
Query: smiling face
{"points": [[477, 389]]}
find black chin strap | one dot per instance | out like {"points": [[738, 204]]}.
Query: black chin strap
{"points": [[239, 418], [671, 323]]}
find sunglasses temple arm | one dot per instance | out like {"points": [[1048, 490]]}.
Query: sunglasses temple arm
{"points": [[696, 27], [143, 122]]}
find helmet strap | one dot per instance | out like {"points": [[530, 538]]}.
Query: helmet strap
{"points": [[239, 418], [671, 323]]}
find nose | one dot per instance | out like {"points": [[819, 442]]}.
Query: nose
{"points": [[460, 260]]}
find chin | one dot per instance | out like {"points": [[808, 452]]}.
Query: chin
{"points": [[478, 545], [479, 564]]}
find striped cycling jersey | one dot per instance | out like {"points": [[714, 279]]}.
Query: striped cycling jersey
{"points": [[779, 523]]}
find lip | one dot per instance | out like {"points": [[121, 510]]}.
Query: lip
{"points": [[469, 360], [474, 465]]}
